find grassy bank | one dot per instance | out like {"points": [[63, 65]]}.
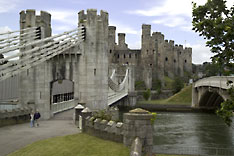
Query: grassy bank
{"points": [[184, 97], [73, 145]]}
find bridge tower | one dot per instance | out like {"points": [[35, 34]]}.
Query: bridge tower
{"points": [[35, 82], [93, 63]]}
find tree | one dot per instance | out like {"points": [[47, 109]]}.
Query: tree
{"points": [[215, 22], [177, 85]]}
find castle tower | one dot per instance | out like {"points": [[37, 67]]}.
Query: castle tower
{"points": [[111, 35], [111, 42], [188, 60], [181, 60], [93, 63], [145, 41], [34, 83], [121, 42]]}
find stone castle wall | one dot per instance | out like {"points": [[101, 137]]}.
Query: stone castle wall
{"points": [[156, 58]]}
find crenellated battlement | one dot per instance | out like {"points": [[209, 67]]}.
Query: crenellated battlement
{"points": [[29, 19], [146, 29], [92, 16]]}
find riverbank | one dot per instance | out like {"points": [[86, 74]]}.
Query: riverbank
{"points": [[172, 108]]}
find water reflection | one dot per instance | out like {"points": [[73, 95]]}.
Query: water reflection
{"points": [[192, 130]]}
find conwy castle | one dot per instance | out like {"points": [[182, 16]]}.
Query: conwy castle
{"points": [[156, 58]]}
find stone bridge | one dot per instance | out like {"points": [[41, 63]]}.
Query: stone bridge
{"points": [[58, 72], [211, 92]]}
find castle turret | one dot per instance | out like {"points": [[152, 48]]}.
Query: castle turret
{"points": [[93, 64], [29, 19], [158, 36], [171, 43], [146, 30], [111, 34], [121, 39], [34, 88]]}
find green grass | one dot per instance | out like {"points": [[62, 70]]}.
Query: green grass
{"points": [[168, 82], [184, 97], [73, 145], [169, 155]]}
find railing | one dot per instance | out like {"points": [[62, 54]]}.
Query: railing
{"points": [[62, 106], [215, 81], [8, 106], [203, 151]]}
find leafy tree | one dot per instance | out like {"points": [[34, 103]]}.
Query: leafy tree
{"points": [[177, 85], [140, 85], [147, 94], [215, 22], [227, 107], [212, 69], [157, 85]]}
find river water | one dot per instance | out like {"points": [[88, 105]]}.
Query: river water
{"points": [[192, 133]]}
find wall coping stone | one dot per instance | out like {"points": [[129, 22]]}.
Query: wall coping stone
{"points": [[103, 122], [139, 111], [119, 124], [111, 123], [134, 116]]}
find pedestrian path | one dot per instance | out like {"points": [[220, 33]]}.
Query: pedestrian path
{"points": [[15, 137]]}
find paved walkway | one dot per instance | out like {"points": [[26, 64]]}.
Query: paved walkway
{"points": [[15, 137]]}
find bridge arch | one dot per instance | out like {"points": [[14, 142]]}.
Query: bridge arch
{"points": [[210, 92], [211, 99]]}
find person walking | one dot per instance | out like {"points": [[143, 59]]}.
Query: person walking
{"points": [[32, 119], [37, 115]]}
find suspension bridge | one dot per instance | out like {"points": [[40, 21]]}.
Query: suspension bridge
{"points": [[45, 65]]}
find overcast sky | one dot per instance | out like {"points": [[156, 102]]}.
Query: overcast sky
{"points": [[171, 17]]}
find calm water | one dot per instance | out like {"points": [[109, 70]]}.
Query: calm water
{"points": [[192, 133]]}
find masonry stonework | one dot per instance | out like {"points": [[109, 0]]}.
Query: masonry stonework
{"points": [[156, 59]]}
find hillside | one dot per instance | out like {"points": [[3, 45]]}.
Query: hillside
{"points": [[184, 97]]}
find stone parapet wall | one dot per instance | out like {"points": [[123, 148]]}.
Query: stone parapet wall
{"points": [[15, 116], [109, 130], [136, 130]]}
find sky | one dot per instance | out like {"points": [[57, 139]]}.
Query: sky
{"points": [[171, 17]]}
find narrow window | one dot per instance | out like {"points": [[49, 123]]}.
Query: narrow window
{"points": [[118, 56], [166, 59], [110, 51], [124, 55], [129, 55], [185, 61], [94, 72]]}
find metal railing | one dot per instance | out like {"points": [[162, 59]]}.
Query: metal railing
{"points": [[62, 106]]}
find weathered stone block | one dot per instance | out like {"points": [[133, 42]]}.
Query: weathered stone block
{"points": [[103, 125], [97, 124]]}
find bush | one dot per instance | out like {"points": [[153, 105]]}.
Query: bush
{"points": [[156, 85], [177, 85], [140, 85], [147, 94], [153, 118], [103, 115]]}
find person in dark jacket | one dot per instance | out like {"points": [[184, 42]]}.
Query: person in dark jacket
{"points": [[37, 115]]}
